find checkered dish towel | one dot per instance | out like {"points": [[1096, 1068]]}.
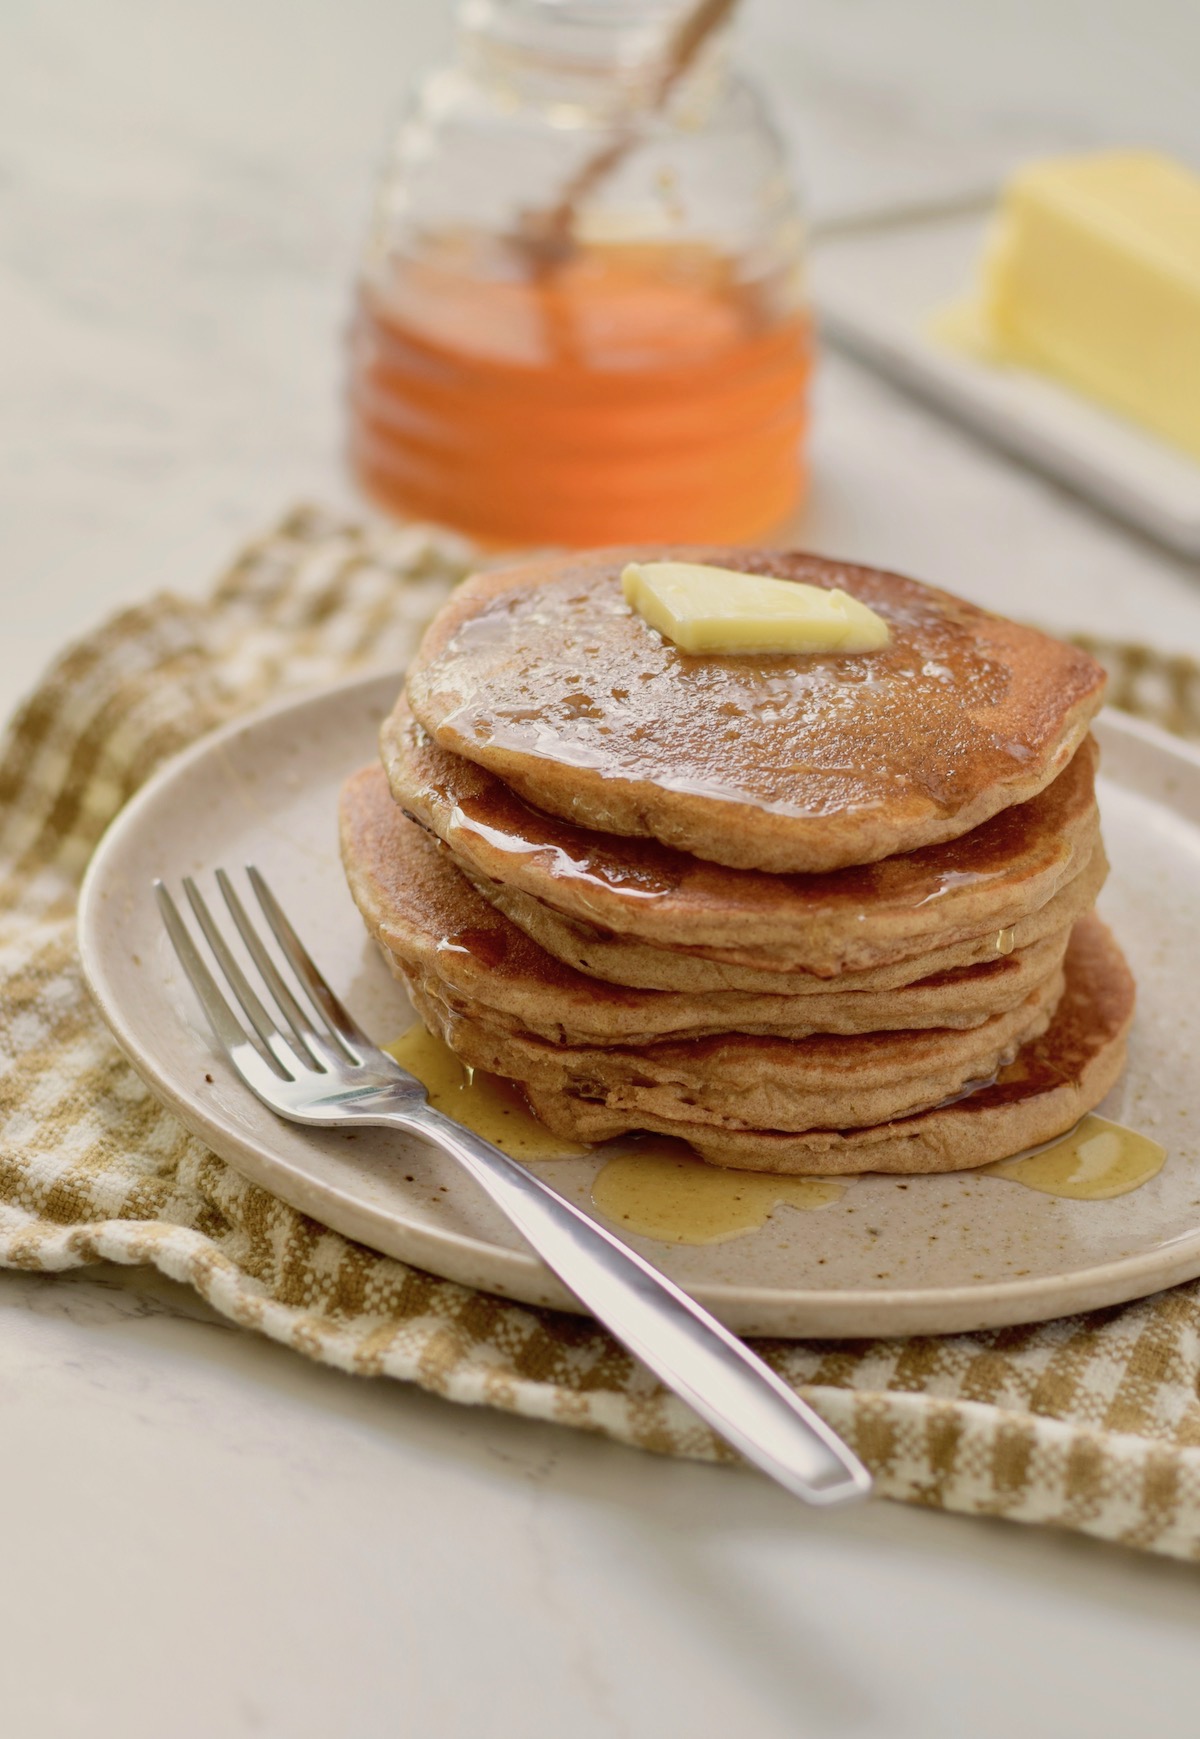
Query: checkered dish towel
{"points": [[1092, 1422]]}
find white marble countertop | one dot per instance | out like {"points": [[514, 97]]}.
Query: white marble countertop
{"points": [[204, 1534]]}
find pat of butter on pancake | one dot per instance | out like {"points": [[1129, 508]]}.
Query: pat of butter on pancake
{"points": [[718, 610]]}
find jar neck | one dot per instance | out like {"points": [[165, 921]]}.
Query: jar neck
{"points": [[604, 57]]}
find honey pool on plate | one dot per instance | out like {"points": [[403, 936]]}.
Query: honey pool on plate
{"points": [[662, 1191], [656, 1188], [488, 1104], [1096, 1161]]}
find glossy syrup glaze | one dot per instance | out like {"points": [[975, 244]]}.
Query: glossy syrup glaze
{"points": [[436, 930], [1015, 860], [545, 675]]}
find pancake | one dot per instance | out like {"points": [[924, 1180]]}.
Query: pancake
{"points": [[849, 920], [627, 961], [734, 1081], [435, 927], [1054, 1080], [787, 763]]}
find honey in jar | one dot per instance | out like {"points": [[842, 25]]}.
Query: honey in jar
{"points": [[643, 380]]}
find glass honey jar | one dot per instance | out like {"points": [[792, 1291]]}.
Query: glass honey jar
{"points": [[581, 314]]}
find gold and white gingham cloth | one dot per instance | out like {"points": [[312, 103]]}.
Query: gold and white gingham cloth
{"points": [[1092, 1422]]}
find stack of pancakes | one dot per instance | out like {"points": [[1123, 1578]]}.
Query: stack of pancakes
{"points": [[811, 913]]}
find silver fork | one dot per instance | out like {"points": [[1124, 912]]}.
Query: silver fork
{"points": [[323, 1070]]}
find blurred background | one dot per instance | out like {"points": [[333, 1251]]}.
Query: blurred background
{"points": [[186, 187]]}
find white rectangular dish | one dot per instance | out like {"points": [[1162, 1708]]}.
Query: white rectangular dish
{"points": [[877, 286]]}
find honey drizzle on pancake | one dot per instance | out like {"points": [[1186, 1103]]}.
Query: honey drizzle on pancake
{"points": [[488, 1104], [662, 1191], [542, 675], [1095, 1162], [523, 691], [999, 875]]}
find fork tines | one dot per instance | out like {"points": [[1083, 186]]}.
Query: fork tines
{"points": [[322, 1036]]}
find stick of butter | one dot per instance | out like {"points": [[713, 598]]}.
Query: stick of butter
{"points": [[1093, 274], [703, 609]]}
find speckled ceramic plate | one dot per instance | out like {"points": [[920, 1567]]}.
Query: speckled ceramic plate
{"points": [[892, 1256]]}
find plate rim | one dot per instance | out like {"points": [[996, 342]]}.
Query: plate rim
{"points": [[960, 1309]]}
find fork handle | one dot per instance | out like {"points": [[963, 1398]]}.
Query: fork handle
{"points": [[730, 1387]]}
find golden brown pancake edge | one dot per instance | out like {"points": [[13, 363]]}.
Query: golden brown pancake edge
{"points": [[433, 925], [837, 922], [542, 674], [641, 965], [1067, 1072], [738, 1081]]}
